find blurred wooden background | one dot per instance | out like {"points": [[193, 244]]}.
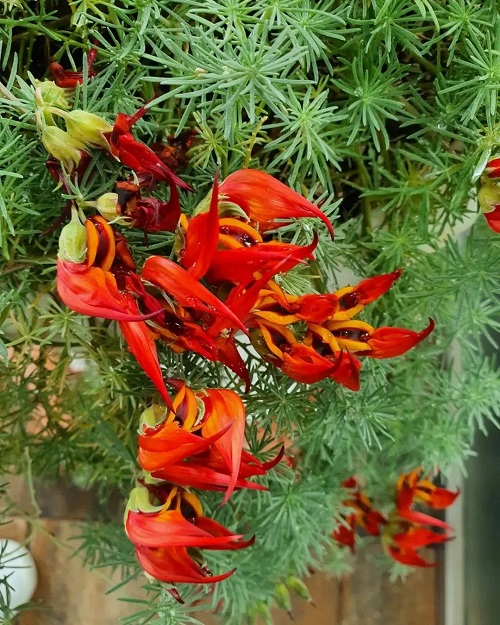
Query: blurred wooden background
{"points": [[69, 593]]}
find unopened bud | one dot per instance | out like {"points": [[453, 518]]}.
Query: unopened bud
{"points": [[297, 586], [73, 240], [282, 596], [107, 205], [63, 147], [47, 92], [140, 501], [261, 611], [489, 196], [151, 418], [87, 128]]}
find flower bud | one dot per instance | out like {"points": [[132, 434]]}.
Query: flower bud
{"points": [[282, 596], [489, 196], [297, 586], [63, 146], [107, 205], [47, 92], [151, 418], [73, 240], [87, 128]]}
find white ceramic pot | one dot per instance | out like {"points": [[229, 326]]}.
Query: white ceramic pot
{"points": [[18, 574]]}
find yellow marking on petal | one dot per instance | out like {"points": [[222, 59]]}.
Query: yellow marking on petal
{"points": [[229, 222], [354, 346], [347, 325], [171, 495], [226, 240], [345, 291], [344, 315], [269, 341], [276, 318], [193, 501], [325, 335], [92, 242], [192, 410]]}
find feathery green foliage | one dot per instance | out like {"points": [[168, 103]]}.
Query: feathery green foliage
{"points": [[385, 111]]}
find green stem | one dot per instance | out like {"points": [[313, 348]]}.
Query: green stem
{"points": [[430, 67], [366, 225]]}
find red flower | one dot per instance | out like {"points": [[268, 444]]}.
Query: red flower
{"points": [[165, 534], [239, 266], [149, 214], [364, 516], [137, 155], [201, 445], [267, 202], [414, 488], [69, 79], [100, 287], [493, 168], [408, 532]]}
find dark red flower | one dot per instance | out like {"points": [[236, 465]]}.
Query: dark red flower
{"points": [[137, 155], [68, 79]]}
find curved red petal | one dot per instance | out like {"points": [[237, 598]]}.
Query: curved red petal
{"points": [[390, 342], [268, 201], [170, 529], [493, 217], [94, 292], [303, 364], [142, 345], [240, 265], [409, 557], [227, 409], [175, 566], [179, 446], [418, 537], [346, 372], [188, 292], [371, 289], [421, 518], [202, 237], [196, 475]]}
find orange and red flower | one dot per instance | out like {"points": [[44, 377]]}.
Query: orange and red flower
{"points": [[404, 530], [333, 339], [200, 442], [167, 526], [489, 195]]}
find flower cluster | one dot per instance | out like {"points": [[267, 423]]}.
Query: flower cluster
{"points": [[405, 529], [222, 284], [198, 444]]}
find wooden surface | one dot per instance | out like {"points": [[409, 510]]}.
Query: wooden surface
{"points": [[69, 593]]}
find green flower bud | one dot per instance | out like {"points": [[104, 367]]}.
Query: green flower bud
{"points": [[62, 146], [87, 128], [107, 205], [73, 240], [282, 596], [140, 501], [298, 587], [151, 417], [47, 92], [488, 196]]}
